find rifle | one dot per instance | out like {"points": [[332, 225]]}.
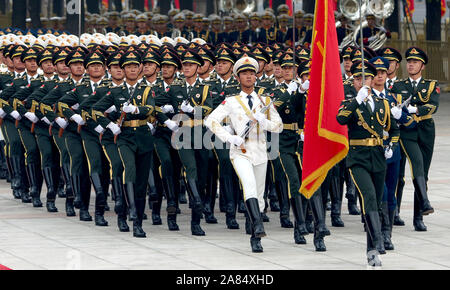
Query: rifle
{"points": [[405, 103], [251, 125]]}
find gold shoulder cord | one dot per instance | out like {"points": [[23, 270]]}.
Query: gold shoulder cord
{"points": [[365, 125], [430, 90], [382, 123]]}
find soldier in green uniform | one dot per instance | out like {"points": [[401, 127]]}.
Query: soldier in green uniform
{"points": [[107, 138], [367, 116], [9, 115], [195, 102], [167, 155], [30, 82], [52, 147], [418, 142], [70, 107], [72, 141], [134, 138]]}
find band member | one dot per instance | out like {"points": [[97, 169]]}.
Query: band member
{"points": [[248, 153], [366, 117], [418, 142]]}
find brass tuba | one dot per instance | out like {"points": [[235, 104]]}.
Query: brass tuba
{"points": [[381, 9], [237, 6]]}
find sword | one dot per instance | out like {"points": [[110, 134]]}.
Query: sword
{"points": [[405, 103], [250, 126]]}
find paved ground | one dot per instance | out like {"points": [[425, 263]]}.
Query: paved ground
{"points": [[34, 239]]}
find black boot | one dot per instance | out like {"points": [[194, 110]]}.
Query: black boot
{"points": [[248, 225], [119, 199], [373, 258], [60, 181], [129, 195], [229, 196], [122, 223], [336, 201], [309, 220], [419, 226], [255, 243], [70, 209], [84, 215], [35, 186], [138, 231], [420, 189], [100, 200], [255, 217], [17, 181], [400, 185], [182, 194], [197, 207], [373, 224], [196, 229], [65, 169], [210, 195], [172, 222], [386, 227], [241, 206], [283, 200], [318, 213], [76, 188], [168, 185], [351, 195], [51, 194], [299, 227], [155, 206]]}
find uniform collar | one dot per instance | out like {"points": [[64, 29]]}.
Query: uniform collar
{"points": [[417, 81], [378, 92]]}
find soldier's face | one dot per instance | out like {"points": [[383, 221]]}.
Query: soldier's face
{"points": [[223, 67], [288, 73], [207, 67], [62, 68], [216, 26], [18, 64], [277, 71], [347, 64], [247, 78], [190, 69], [254, 23], [142, 25], [77, 69], [132, 71], [47, 66], [168, 71], [116, 72], [393, 67], [179, 25], [380, 78], [262, 65], [96, 70], [414, 67], [31, 65], [269, 67], [9, 62], [149, 69]]}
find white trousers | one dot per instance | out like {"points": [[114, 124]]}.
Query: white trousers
{"points": [[252, 178]]}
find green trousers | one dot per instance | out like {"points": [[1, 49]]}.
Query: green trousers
{"points": [[50, 155], [15, 147], [292, 168], [30, 145], [370, 186]]}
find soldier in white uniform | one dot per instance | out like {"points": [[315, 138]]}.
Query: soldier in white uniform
{"points": [[249, 154]]}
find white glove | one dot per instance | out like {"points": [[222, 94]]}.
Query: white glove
{"points": [[76, 106], [78, 119], [32, 117], [388, 153], [2, 113], [229, 129], [396, 112], [115, 129], [46, 121], [15, 115], [167, 109], [186, 107], [304, 87], [61, 122], [235, 140], [152, 128], [292, 87], [171, 125], [362, 94], [260, 117], [111, 109], [412, 109], [99, 129], [371, 38], [302, 137], [130, 109]]}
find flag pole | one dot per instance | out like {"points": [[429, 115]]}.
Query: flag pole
{"points": [[361, 42], [293, 36], [79, 24]]}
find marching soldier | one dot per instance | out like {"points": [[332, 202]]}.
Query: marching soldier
{"points": [[70, 107], [194, 100], [113, 19], [47, 135], [395, 58], [142, 28], [249, 155], [418, 143], [19, 180], [198, 31], [367, 116]]}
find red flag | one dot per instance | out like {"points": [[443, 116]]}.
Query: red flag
{"points": [[443, 8], [409, 7], [289, 4], [177, 4], [326, 141]]}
